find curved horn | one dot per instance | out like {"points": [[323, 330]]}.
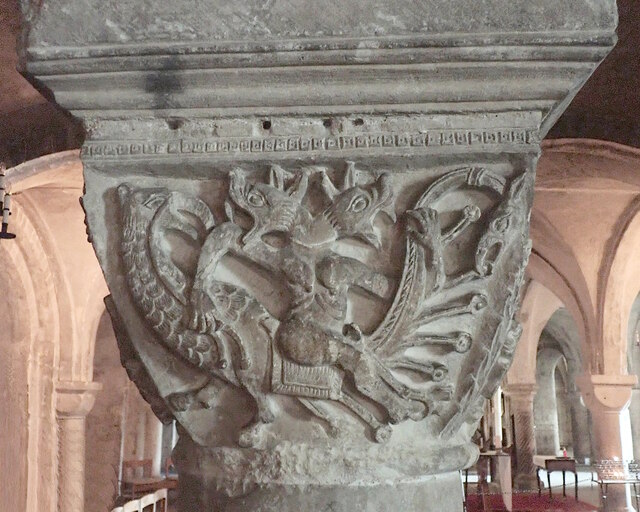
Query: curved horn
{"points": [[237, 185], [385, 190], [299, 187], [276, 177], [349, 177]]}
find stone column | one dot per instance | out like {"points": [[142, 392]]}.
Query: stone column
{"points": [[496, 406], [608, 397], [74, 400], [313, 220], [580, 426], [634, 412], [545, 405], [521, 405], [153, 443]]}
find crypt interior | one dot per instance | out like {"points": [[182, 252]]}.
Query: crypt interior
{"points": [[98, 413]]}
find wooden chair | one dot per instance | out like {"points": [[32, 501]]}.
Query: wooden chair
{"points": [[137, 478], [148, 503], [132, 506], [162, 501]]}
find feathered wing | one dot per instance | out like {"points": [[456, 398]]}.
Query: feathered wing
{"points": [[424, 279]]}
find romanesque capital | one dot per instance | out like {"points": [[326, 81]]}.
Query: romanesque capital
{"points": [[606, 393], [313, 221], [75, 399], [521, 392]]}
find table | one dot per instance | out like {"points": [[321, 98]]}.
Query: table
{"points": [[550, 464]]}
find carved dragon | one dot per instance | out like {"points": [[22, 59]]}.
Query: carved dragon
{"points": [[211, 323]]}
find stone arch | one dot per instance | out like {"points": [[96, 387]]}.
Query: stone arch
{"points": [[633, 362], [36, 312], [582, 165], [620, 277], [59, 305], [553, 264], [538, 304]]}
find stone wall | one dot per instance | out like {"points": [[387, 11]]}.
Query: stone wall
{"points": [[13, 402], [104, 423]]}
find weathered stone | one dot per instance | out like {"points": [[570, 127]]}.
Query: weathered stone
{"points": [[313, 220]]}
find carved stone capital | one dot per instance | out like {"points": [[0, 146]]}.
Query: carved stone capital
{"points": [[606, 393], [75, 399], [313, 221], [521, 392]]}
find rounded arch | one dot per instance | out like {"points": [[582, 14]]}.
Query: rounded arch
{"points": [[621, 284], [36, 311], [58, 301], [538, 304], [553, 264], [574, 166], [545, 404]]}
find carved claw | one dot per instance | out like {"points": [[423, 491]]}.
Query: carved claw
{"points": [[200, 319], [424, 225]]}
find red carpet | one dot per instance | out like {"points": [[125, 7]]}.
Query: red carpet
{"points": [[526, 502]]}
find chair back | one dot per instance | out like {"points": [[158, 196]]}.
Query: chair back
{"points": [[162, 502], [132, 506], [136, 468], [154, 502], [148, 503]]}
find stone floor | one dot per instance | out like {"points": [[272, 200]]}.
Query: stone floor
{"points": [[588, 491]]}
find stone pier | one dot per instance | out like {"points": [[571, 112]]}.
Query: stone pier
{"points": [[313, 220]]}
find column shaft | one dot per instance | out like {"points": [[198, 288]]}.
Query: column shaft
{"points": [[71, 461], [608, 397], [607, 435], [74, 400], [521, 406]]}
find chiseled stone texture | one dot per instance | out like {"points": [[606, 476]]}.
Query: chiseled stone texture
{"points": [[255, 20], [313, 221]]}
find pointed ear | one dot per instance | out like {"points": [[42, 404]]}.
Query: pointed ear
{"points": [[385, 193], [298, 190], [328, 186], [276, 177], [518, 187], [237, 185], [349, 177]]}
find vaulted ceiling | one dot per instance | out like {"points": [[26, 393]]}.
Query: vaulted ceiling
{"points": [[608, 107]]}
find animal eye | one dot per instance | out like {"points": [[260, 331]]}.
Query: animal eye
{"points": [[358, 204], [255, 199], [153, 202], [501, 225]]}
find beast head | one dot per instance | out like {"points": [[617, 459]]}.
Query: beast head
{"points": [[141, 203], [354, 207], [273, 206]]}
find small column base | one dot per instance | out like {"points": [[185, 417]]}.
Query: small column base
{"points": [[444, 492]]}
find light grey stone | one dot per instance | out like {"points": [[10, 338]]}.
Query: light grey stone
{"points": [[313, 220]]}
